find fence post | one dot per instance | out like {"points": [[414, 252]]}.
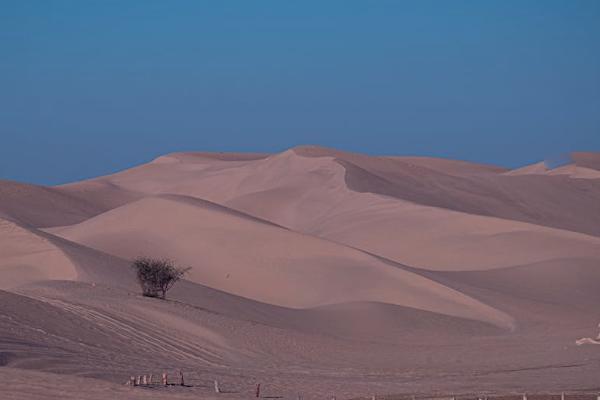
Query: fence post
{"points": [[258, 390], [217, 388], [181, 382], [150, 379], [165, 379]]}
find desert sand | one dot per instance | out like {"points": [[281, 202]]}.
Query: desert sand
{"points": [[314, 272]]}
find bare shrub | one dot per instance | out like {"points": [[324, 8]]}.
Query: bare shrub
{"points": [[157, 276]]}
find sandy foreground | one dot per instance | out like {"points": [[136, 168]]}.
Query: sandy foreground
{"points": [[315, 273]]}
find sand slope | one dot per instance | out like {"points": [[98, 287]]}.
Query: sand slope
{"points": [[576, 170], [261, 261], [587, 159], [436, 238], [567, 282], [27, 256], [41, 206]]}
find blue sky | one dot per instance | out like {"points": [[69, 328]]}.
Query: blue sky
{"points": [[91, 87]]}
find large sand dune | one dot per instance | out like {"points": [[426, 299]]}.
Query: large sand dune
{"points": [[306, 180], [393, 207], [358, 274], [261, 261]]}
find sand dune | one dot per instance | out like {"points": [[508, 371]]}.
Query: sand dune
{"points": [[399, 230], [200, 156], [533, 199], [347, 271], [261, 261], [41, 206], [587, 159], [27, 256], [303, 182], [406, 232], [539, 168], [573, 170], [102, 194], [77, 329], [450, 167], [581, 166], [571, 282], [549, 297]]}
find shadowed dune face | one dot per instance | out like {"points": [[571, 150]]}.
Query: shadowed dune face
{"points": [[309, 263], [27, 256], [30, 255], [41, 206], [530, 199], [573, 281], [587, 160]]}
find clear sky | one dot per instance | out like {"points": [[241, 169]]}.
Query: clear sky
{"points": [[91, 87]]}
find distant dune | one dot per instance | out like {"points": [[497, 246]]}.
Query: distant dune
{"points": [[346, 270]]}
